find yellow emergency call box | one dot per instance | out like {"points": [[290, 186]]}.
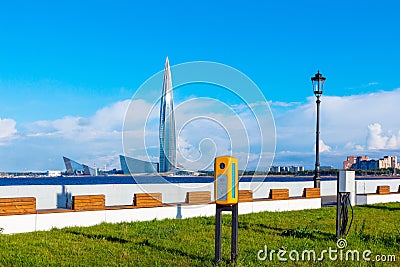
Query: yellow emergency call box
{"points": [[226, 181]]}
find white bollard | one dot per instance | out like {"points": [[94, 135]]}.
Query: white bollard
{"points": [[347, 183]]}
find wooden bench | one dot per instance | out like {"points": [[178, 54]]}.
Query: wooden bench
{"points": [[245, 195], [200, 197], [279, 194], [383, 189], [89, 202], [312, 193], [147, 200], [17, 205]]}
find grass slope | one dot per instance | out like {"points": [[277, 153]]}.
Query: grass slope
{"points": [[190, 242]]}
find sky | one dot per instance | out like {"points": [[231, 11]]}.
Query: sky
{"points": [[69, 69]]}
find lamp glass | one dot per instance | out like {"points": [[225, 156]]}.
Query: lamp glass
{"points": [[318, 84]]}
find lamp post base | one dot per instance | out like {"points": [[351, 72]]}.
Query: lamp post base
{"points": [[317, 182]]}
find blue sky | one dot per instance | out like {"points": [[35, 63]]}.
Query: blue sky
{"points": [[72, 59]]}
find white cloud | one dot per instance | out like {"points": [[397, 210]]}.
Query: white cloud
{"points": [[205, 128], [7, 128], [95, 139], [214, 128], [350, 146], [349, 124], [377, 139], [323, 147], [283, 104], [107, 121]]}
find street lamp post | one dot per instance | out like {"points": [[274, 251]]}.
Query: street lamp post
{"points": [[318, 86]]}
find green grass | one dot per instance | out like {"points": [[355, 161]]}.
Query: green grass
{"points": [[190, 242]]}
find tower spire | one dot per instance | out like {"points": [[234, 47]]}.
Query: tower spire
{"points": [[167, 123]]}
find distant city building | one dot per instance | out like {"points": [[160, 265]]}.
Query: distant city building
{"points": [[131, 165], [326, 168], [282, 169], [186, 173], [53, 173], [275, 169], [389, 162], [167, 124], [370, 164], [351, 160], [75, 168], [296, 168], [365, 163]]}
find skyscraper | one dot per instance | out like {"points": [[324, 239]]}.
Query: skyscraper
{"points": [[167, 124]]}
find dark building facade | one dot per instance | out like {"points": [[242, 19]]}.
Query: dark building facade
{"points": [[131, 165], [75, 168]]}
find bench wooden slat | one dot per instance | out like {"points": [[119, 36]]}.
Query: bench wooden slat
{"points": [[17, 199], [199, 197], [89, 202], [83, 207], [20, 209], [18, 205], [147, 200], [312, 192], [89, 197], [89, 208], [279, 194], [245, 195], [383, 189]]}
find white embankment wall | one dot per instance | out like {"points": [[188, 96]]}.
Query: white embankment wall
{"points": [[55, 196], [59, 196], [46, 221]]}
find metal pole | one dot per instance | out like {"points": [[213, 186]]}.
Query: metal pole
{"points": [[218, 226], [338, 206], [317, 178], [235, 228]]}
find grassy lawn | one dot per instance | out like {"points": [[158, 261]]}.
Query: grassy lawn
{"points": [[190, 242]]}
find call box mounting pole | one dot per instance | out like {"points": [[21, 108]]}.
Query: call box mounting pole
{"points": [[234, 233], [218, 226], [235, 230], [226, 195]]}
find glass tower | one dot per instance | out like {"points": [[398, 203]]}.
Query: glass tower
{"points": [[167, 124]]}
